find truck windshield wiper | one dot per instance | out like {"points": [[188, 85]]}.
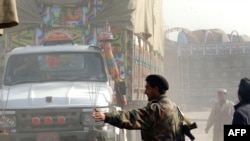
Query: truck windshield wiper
{"points": [[89, 78], [78, 78], [75, 78], [23, 81]]}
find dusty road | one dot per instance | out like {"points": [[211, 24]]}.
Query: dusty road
{"points": [[200, 118]]}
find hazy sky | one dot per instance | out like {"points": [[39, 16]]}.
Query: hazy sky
{"points": [[227, 15]]}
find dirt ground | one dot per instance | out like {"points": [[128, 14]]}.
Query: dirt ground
{"points": [[200, 118]]}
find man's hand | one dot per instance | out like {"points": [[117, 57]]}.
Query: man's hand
{"points": [[98, 116]]}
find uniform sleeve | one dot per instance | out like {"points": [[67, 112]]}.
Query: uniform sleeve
{"points": [[132, 119]]}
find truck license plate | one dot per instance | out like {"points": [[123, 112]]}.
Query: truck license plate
{"points": [[47, 137]]}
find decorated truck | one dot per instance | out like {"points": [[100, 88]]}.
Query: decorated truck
{"points": [[48, 93], [137, 28], [136, 47]]}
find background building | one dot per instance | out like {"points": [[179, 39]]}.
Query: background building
{"points": [[202, 61]]}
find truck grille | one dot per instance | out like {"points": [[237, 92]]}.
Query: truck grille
{"points": [[48, 120]]}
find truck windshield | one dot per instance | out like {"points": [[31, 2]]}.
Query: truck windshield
{"points": [[27, 68]]}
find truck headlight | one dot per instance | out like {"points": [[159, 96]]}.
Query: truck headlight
{"points": [[7, 121]]}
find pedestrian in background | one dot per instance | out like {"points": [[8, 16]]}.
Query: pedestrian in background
{"points": [[220, 115], [242, 109], [160, 120], [120, 94], [121, 100]]}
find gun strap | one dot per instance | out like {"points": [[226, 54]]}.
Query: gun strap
{"points": [[185, 118]]}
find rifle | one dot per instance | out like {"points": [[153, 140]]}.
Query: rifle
{"points": [[186, 128]]}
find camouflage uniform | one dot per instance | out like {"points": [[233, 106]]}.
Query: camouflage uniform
{"points": [[160, 120]]}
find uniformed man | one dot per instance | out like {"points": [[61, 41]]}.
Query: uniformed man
{"points": [[159, 120]]}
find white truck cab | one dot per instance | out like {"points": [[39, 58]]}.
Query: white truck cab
{"points": [[49, 93]]}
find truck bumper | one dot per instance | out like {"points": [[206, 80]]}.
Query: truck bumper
{"points": [[94, 135]]}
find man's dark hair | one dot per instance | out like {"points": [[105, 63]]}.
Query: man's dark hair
{"points": [[159, 81]]}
